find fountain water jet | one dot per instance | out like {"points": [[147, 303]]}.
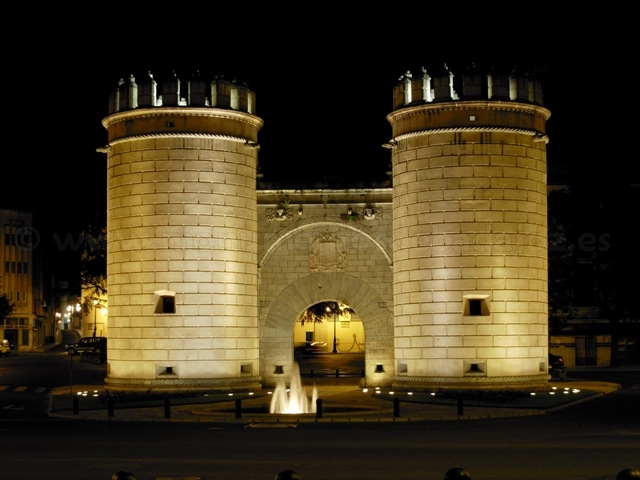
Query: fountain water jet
{"points": [[295, 400]]}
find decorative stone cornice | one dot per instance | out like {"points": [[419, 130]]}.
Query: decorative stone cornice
{"points": [[183, 122], [394, 142], [470, 116], [106, 148]]}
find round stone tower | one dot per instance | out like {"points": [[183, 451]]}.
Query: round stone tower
{"points": [[469, 230], [182, 236]]}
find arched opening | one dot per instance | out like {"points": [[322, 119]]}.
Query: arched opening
{"points": [[327, 329], [319, 356], [281, 320]]}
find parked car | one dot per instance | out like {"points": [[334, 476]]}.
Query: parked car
{"points": [[5, 348], [309, 348], [557, 368], [87, 344]]}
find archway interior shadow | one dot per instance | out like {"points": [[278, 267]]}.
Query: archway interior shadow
{"points": [[346, 368]]}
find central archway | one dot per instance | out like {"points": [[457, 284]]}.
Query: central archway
{"points": [[276, 343]]}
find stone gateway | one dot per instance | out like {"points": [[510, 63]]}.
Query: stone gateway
{"points": [[446, 264]]}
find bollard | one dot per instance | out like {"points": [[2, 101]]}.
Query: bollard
{"points": [[396, 407], [457, 473], [110, 403], [318, 408], [460, 405], [362, 374], [288, 475], [628, 474], [238, 408], [167, 408], [76, 408], [337, 373]]}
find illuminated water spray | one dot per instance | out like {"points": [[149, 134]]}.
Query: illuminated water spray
{"points": [[295, 399]]}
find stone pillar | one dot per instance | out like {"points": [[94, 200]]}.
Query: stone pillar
{"points": [[182, 248], [470, 245]]}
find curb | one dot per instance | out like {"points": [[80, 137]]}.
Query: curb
{"points": [[216, 409]]}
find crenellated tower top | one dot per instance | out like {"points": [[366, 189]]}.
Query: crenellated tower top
{"points": [[517, 84], [169, 108], [169, 92], [480, 99]]}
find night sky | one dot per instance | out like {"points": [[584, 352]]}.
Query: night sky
{"points": [[323, 79]]}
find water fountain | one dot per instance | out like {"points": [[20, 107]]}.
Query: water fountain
{"points": [[294, 400]]}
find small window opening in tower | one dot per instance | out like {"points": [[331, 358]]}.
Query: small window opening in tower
{"points": [[165, 302], [168, 305], [475, 307]]}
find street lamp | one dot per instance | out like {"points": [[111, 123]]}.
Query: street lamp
{"points": [[71, 312], [95, 316], [69, 315], [70, 352], [335, 320]]}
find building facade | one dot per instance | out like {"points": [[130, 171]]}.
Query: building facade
{"points": [[26, 327], [446, 266]]}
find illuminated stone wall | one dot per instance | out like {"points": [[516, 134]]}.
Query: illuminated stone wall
{"points": [[318, 251]]}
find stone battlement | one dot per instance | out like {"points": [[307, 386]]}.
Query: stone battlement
{"points": [[476, 83], [218, 93]]}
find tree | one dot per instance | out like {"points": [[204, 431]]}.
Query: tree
{"points": [[6, 307], [561, 260], [591, 254], [318, 312], [93, 265], [616, 263]]}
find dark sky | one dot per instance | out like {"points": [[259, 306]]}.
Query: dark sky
{"points": [[323, 78]]}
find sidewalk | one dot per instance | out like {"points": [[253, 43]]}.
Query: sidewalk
{"points": [[339, 403]]}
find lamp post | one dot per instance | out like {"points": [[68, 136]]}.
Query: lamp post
{"points": [[332, 310], [335, 320], [70, 352], [95, 316]]}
